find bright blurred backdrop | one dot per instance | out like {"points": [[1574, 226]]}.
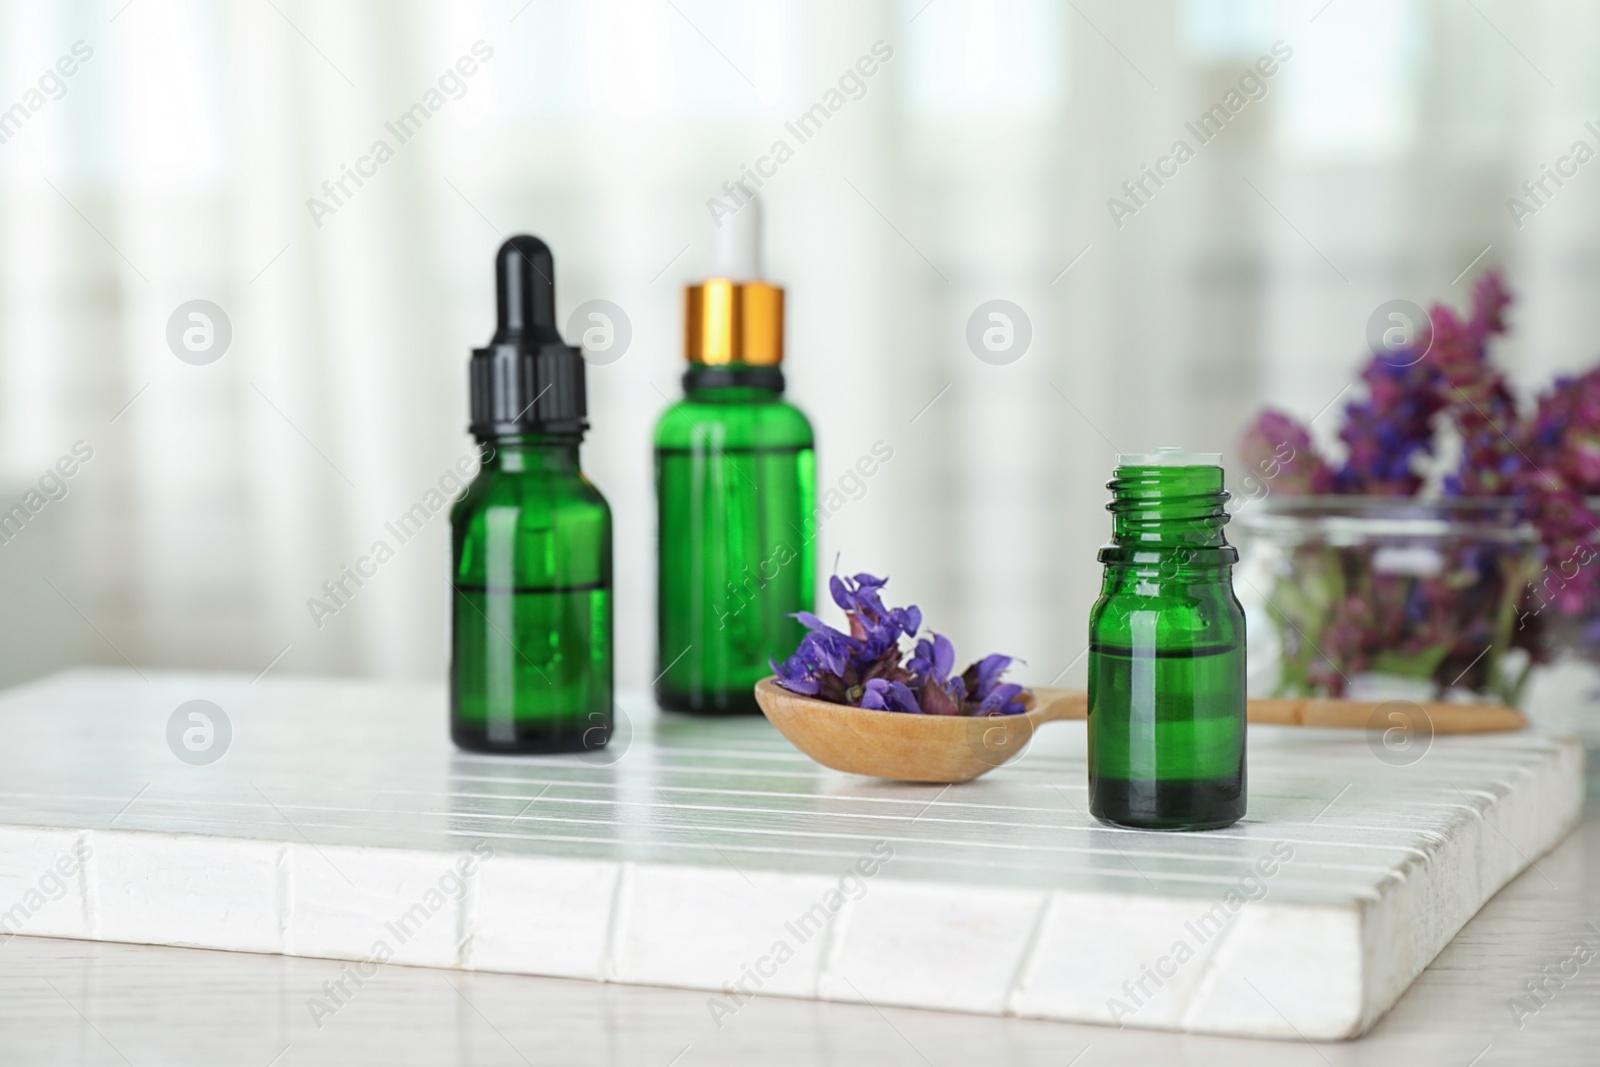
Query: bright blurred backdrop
{"points": [[176, 162]]}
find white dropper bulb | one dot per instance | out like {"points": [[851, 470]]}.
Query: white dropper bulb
{"points": [[737, 252]]}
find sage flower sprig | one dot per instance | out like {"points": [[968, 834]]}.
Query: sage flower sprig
{"points": [[867, 668], [1446, 396]]}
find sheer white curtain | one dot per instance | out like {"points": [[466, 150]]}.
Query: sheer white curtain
{"points": [[977, 164]]}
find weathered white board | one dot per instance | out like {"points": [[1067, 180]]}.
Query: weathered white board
{"points": [[708, 854]]}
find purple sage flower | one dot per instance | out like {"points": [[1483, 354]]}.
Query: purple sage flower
{"points": [[864, 667], [1547, 460]]}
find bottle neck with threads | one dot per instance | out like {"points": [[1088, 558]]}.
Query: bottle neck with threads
{"points": [[522, 453], [1167, 512], [734, 384]]}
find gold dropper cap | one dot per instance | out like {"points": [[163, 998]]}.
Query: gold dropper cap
{"points": [[726, 322]]}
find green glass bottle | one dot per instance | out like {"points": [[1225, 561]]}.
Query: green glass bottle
{"points": [[1167, 652], [531, 662], [736, 484], [736, 492]]}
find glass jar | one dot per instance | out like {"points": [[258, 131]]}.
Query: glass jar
{"points": [[1562, 601], [1562, 609], [1380, 598]]}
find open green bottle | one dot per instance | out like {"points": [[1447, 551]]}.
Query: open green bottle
{"points": [[1167, 652], [736, 491], [531, 657]]}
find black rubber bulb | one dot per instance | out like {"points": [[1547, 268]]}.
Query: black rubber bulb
{"points": [[525, 284], [527, 380]]}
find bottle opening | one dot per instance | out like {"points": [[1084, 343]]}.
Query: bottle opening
{"points": [[1169, 457]]}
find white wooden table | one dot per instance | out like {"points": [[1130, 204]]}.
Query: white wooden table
{"points": [[87, 1003], [327, 783]]}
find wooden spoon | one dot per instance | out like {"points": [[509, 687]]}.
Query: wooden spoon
{"points": [[958, 748]]}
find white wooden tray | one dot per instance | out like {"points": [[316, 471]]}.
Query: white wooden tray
{"points": [[339, 822]]}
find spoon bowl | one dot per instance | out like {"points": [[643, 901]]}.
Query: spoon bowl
{"points": [[959, 748], [912, 748]]}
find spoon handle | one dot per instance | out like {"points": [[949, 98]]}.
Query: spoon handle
{"points": [[1383, 715], [1051, 704]]}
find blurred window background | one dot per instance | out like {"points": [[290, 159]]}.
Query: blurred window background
{"points": [[978, 162]]}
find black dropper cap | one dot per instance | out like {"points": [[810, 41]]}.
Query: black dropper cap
{"points": [[528, 380]]}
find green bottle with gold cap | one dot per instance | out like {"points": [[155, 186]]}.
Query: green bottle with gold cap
{"points": [[735, 489]]}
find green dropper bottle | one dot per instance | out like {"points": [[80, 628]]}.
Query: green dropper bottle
{"points": [[531, 663], [1167, 652], [736, 489]]}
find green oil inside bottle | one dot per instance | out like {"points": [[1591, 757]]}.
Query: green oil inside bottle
{"points": [[736, 489], [532, 621], [1167, 656]]}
